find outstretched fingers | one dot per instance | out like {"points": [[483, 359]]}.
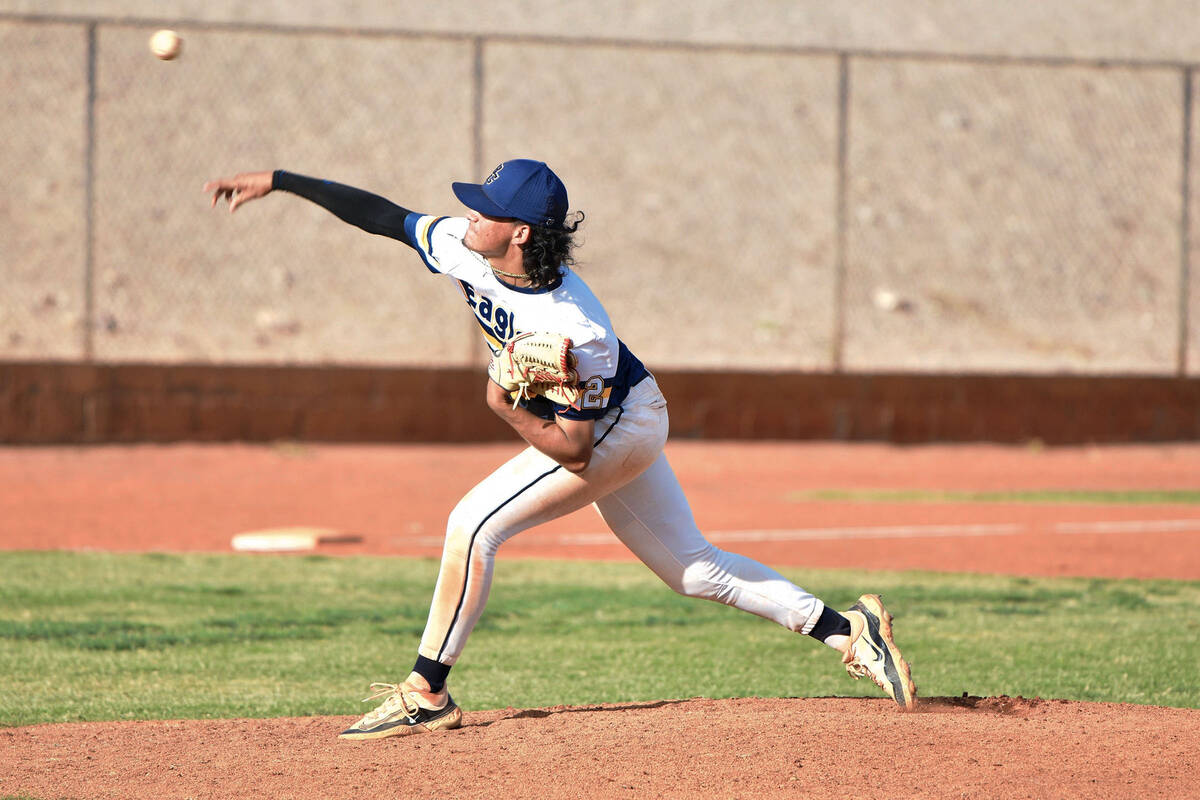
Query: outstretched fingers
{"points": [[239, 196], [239, 189], [223, 188], [218, 192]]}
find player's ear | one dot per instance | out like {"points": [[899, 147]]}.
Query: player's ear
{"points": [[521, 233]]}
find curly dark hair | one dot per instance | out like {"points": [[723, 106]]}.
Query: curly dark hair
{"points": [[549, 249]]}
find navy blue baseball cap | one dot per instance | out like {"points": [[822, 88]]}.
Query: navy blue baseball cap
{"points": [[519, 189]]}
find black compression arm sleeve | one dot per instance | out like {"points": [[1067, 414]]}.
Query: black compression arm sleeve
{"points": [[372, 213]]}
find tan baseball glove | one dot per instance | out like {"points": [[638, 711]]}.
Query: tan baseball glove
{"points": [[537, 364]]}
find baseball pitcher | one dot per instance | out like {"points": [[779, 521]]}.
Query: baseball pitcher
{"points": [[595, 422]]}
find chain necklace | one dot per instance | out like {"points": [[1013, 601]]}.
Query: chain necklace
{"points": [[516, 275]]}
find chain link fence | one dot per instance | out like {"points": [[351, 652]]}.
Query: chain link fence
{"points": [[771, 207]]}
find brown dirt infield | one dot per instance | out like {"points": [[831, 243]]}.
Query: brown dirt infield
{"points": [[188, 497]]}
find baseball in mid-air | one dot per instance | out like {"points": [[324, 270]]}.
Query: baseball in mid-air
{"points": [[166, 44]]}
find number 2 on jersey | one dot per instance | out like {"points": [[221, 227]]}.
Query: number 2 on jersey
{"points": [[593, 392]]}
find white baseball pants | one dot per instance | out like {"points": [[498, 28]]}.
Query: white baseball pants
{"points": [[634, 489]]}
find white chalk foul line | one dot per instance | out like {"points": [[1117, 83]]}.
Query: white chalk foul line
{"points": [[818, 534], [914, 531], [868, 532], [1131, 526], [872, 532]]}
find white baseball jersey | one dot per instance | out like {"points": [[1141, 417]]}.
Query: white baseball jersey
{"points": [[606, 367]]}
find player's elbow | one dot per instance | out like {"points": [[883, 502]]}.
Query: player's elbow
{"points": [[574, 451], [571, 458], [578, 464], [577, 456]]}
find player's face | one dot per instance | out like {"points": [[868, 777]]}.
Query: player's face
{"points": [[489, 236]]}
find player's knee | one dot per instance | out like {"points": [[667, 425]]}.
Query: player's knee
{"points": [[460, 529], [466, 533], [700, 579]]}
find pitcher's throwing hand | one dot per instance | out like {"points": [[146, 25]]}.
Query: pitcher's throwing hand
{"points": [[241, 188]]}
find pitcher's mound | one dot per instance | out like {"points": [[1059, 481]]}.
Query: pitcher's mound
{"points": [[752, 748]]}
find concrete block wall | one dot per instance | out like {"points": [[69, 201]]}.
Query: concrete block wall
{"points": [[799, 189]]}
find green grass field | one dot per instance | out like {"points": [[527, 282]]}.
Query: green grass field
{"points": [[98, 636]]}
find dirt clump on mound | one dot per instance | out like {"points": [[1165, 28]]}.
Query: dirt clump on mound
{"points": [[753, 748]]}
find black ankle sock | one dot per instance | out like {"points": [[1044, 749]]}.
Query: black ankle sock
{"points": [[829, 624], [433, 671]]}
